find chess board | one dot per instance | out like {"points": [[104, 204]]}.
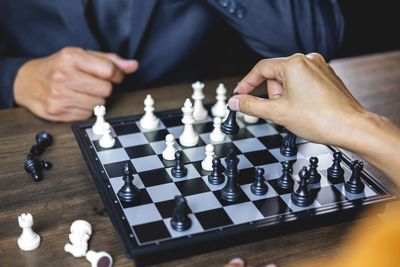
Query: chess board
{"points": [[144, 226]]}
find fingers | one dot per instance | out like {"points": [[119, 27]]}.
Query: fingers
{"points": [[236, 262], [87, 84], [126, 65], [275, 89]]}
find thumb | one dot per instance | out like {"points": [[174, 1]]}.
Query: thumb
{"points": [[256, 106], [126, 65]]}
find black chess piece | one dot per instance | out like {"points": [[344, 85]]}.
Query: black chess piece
{"points": [[230, 126], [354, 184], [313, 175], [43, 140], [302, 196], [286, 180], [128, 192], [231, 191], [216, 176], [259, 187], [179, 170], [289, 147], [336, 172], [180, 220], [35, 166]]}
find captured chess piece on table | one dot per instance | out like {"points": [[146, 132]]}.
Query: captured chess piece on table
{"points": [[189, 136], [99, 259], [28, 240], [43, 141], [199, 112], [149, 120], [34, 167], [230, 126], [80, 233]]}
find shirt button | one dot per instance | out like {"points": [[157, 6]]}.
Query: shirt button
{"points": [[232, 7], [223, 3], [240, 13]]}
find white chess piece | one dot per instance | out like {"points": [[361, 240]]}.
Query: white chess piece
{"points": [[169, 151], [100, 258], [79, 236], [250, 119], [28, 240], [220, 108], [199, 112], [99, 112], [206, 164], [189, 137], [107, 141], [217, 135], [149, 120]]}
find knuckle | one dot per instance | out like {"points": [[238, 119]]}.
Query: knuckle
{"points": [[57, 76], [109, 70], [107, 89], [298, 59], [52, 108], [316, 56], [69, 53]]}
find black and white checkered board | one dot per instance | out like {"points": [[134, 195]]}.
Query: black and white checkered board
{"points": [[144, 226]]}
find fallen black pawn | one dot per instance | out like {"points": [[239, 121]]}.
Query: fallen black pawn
{"points": [[34, 167], [43, 140]]}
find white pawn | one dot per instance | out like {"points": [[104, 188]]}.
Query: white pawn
{"points": [[250, 119], [220, 109], [169, 151], [107, 141], [149, 120], [28, 240], [189, 137], [217, 135], [79, 236], [199, 112], [101, 258], [99, 112], [206, 164]]}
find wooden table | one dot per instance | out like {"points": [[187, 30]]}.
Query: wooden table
{"points": [[67, 192]]}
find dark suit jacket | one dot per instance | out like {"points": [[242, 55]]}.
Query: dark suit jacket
{"points": [[174, 40]]}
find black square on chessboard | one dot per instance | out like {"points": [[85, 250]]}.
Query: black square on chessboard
{"points": [[272, 141], [271, 206], [155, 136], [280, 191], [116, 169], [192, 186], [327, 195], [243, 198], [213, 218], [242, 134], [200, 143], [171, 122], [139, 151], [246, 176], [151, 231], [171, 163], [260, 157], [128, 128], [166, 208], [221, 150], [143, 199], [99, 148], [155, 177], [205, 127]]}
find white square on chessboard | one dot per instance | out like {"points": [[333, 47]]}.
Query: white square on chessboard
{"points": [[249, 144], [311, 149], [272, 171], [195, 228], [214, 187], [93, 136], [243, 212], [160, 126], [134, 139], [207, 140], [276, 152], [112, 155], [191, 173], [163, 192], [262, 130], [176, 131], [195, 153], [147, 163], [293, 207], [159, 146], [247, 189], [244, 163], [202, 202], [118, 182], [368, 192], [142, 214], [240, 124]]}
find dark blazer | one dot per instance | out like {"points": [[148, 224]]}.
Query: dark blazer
{"points": [[174, 40]]}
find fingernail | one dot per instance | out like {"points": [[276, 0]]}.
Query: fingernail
{"points": [[234, 103], [237, 261]]}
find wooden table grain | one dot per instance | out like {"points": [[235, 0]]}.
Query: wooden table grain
{"points": [[67, 192]]}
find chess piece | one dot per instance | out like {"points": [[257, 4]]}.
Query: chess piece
{"points": [[99, 259], [219, 109], [128, 192], [199, 112], [354, 184], [259, 188], [107, 141], [302, 196], [180, 221], [289, 147], [313, 176], [99, 112], [336, 172], [34, 167], [231, 191], [28, 240], [230, 126], [286, 180], [149, 120], [206, 164], [43, 140], [169, 151], [217, 135], [250, 119], [216, 177], [79, 236], [189, 137], [179, 170]]}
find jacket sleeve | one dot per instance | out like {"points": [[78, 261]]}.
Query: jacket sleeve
{"points": [[275, 28]]}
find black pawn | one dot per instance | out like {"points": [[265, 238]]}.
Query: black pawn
{"points": [[216, 176], [336, 172], [354, 184], [179, 170], [302, 196], [286, 180], [289, 147], [230, 126], [34, 167], [259, 187], [231, 191], [313, 177], [180, 220], [43, 140], [128, 192]]}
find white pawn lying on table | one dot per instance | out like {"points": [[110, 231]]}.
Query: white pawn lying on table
{"points": [[189, 136], [149, 120], [206, 164], [99, 112], [199, 112], [219, 109], [80, 233], [107, 140], [169, 151], [28, 240]]}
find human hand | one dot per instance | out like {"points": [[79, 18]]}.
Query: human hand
{"points": [[66, 85]]}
